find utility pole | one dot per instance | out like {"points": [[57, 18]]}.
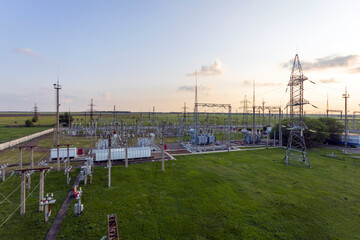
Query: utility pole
{"points": [[263, 113], [327, 105], [185, 110], [114, 116], [3, 172], [162, 149], [41, 190], [109, 163], [253, 120], [245, 119], [22, 197], [20, 157], [280, 131], [230, 127], [196, 113], [126, 150], [57, 87], [346, 96], [32, 156], [23, 173]]}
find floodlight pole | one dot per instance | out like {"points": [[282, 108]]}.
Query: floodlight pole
{"points": [[57, 87]]}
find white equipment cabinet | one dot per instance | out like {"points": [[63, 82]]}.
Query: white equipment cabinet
{"points": [[119, 153], [63, 153]]}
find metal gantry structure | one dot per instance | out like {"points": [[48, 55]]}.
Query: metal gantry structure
{"points": [[296, 147]]}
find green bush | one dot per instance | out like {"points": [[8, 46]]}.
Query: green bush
{"points": [[66, 118], [318, 130], [35, 119], [29, 123]]}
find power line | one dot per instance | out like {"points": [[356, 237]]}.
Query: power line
{"points": [[6, 198], [12, 174], [22, 202]]}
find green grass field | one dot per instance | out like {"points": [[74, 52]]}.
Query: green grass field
{"points": [[236, 195], [11, 133], [31, 225]]}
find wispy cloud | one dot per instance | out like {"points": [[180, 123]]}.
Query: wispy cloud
{"points": [[203, 88], [355, 70], [326, 62], [26, 51], [328, 81], [105, 95], [215, 69], [260, 84]]}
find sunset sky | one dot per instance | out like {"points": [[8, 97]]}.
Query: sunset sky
{"points": [[139, 54]]}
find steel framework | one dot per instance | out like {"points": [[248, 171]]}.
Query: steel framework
{"points": [[211, 105], [296, 148]]}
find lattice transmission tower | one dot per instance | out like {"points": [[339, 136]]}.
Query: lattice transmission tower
{"points": [[296, 148]]}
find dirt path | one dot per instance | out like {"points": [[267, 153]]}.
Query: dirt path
{"points": [[55, 227]]}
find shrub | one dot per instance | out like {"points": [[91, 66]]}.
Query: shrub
{"points": [[29, 123]]}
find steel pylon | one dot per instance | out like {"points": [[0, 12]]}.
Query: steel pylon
{"points": [[296, 147]]}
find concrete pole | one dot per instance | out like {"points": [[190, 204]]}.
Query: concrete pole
{"points": [[229, 118], [95, 133], [346, 96], [29, 181], [274, 138], [32, 157], [109, 163], [20, 157], [126, 152], [22, 197], [85, 173], [91, 138], [254, 127], [162, 151], [68, 156], [3, 173], [46, 211], [57, 87], [253, 120], [41, 190], [68, 177], [280, 131], [58, 157]]}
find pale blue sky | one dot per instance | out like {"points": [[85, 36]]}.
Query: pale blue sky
{"points": [[138, 54]]}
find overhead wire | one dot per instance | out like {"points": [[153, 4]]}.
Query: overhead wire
{"points": [[12, 174], [22, 202]]}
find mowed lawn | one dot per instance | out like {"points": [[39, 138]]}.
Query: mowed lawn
{"points": [[32, 224], [11, 133], [236, 195]]}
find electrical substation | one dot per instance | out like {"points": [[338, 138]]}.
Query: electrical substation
{"points": [[111, 138]]}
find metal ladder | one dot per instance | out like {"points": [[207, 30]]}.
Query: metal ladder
{"points": [[112, 227]]}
